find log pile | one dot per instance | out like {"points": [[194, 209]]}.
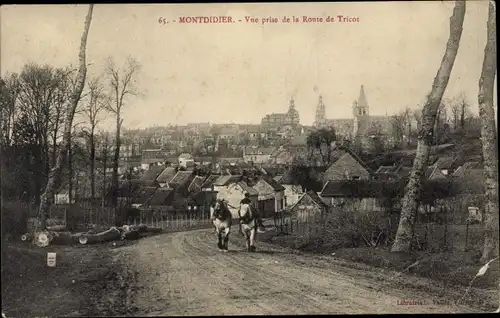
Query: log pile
{"points": [[59, 235]]}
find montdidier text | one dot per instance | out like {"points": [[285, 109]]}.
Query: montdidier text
{"points": [[222, 19]]}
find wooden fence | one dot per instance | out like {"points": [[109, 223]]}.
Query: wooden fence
{"points": [[84, 215]]}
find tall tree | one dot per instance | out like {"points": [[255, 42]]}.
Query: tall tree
{"points": [[93, 110], [9, 92], [62, 94], [121, 85], [322, 141], [489, 138], [55, 174], [411, 198]]}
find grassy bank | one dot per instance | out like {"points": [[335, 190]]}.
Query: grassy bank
{"points": [[450, 270]]}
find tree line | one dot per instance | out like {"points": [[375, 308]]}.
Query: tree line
{"points": [[41, 142]]}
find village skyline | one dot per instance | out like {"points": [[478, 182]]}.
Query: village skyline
{"points": [[252, 70]]}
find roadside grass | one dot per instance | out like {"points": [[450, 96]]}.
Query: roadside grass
{"points": [[75, 287]]}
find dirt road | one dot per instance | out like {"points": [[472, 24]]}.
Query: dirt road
{"points": [[184, 274]]}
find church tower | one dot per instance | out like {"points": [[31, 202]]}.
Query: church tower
{"points": [[320, 118], [361, 114], [293, 114]]}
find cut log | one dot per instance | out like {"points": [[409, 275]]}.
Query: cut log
{"points": [[106, 236], [130, 235], [154, 230], [42, 239], [66, 238], [57, 228], [141, 228], [26, 237]]}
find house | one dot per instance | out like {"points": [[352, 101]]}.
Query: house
{"points": [[434, 173], [283, 157], [196, 184], [271, 196], [470, 165], [233, 192], [257, 155], [446, 165], [388, 172], [160, 198], [224, 181], [181, 180], [293, 191], [141, 197], [208, 183], [63, 197], [347, 167], [308, 207], [151, 156], [165, 176], [228, 132], [149, 176], [354, 195], [186, 160], [254, 132]]}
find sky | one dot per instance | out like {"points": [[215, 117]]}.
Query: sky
{"points": [[238, 72]]}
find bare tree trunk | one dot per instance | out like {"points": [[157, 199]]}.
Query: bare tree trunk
{"points": [[489, 139], [411, 198], [105, 163], [55, 173], [92, 166], [116, 160], [70, 173]]}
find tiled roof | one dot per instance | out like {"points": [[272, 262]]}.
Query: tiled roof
{"points": [[225, 180], [209, 182], [181, 178], [444, 162], [228, 131], [152, 173], [185, 156], [472, 165], [247, 188], [196, 183], [166, 175], [314, 197], [253, 129], [361, 188], [259, 151], [273, 183], [388, 169], [161, 197], [142, 195]]}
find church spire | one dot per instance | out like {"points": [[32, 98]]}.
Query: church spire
{"points": [[362, 98]]}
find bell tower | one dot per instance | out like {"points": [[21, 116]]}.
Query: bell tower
{"points": [[293, 114], [361, 113], [320, 118]]}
